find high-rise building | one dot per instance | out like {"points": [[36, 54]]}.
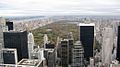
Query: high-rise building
{"points": [[51, 58], [45, 40], [118, 45], [10, 56], [30, 44], [107, 45], [19, 41], [77, 55], [2, 24], [87, 39], [10, 25], [65, 53], [70, 50]]}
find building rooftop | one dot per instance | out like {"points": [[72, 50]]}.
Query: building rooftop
{"points": [[86, 24], [30, 62]]}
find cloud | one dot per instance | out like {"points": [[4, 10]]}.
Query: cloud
{"points": [[58, 7]]}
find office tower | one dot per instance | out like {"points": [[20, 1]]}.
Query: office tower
{"points": [[49, 55], [10, 56], [77, 55], [30, 44], [51, 58], [118, 45], [30, 63], [18, 40], [10, 25], [65, 53], [107, 45], [87, 39], [2, 24], [45, 39], [58, 47], [70, 50]]}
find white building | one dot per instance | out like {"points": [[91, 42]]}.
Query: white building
{"points": [[30, 43], [107, 45], [45, 39]]}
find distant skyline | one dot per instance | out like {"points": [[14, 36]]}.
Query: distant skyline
{"points": [[59, 7]]}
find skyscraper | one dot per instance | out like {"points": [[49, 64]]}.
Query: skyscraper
{"points": [[18, 40], [87, 39], [10, 25], [77, 55], [30, 44], [70, 50], [2, 24], [51, 58], [118, 44], [107, 45], [65, 53], [45, 40]]}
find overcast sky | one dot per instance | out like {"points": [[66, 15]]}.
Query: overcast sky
{"points": [[59, 7]]}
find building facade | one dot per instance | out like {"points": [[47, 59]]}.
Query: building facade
{"points": [[2, 25], [10, 56], [118, 44], [65, 53], [77, 55], [10, 25], [107, 45], [87, 39], [18, 40], [70, 50], [30, 44]]}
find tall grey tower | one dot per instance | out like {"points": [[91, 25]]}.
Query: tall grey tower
{"points": [[87, 38], [65, 53], [30, 44], [107, 45], [2, 25]]}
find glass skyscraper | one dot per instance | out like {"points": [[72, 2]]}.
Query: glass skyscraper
{"points": [[87, 39]]}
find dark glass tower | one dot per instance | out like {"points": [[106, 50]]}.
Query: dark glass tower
{"points": [[70, 50], [10, 25], [19, 41], [87, 39], [118, 45]]}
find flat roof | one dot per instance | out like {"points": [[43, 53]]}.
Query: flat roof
{"points": [[86, 24], [30, 62], [8, 49]]}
